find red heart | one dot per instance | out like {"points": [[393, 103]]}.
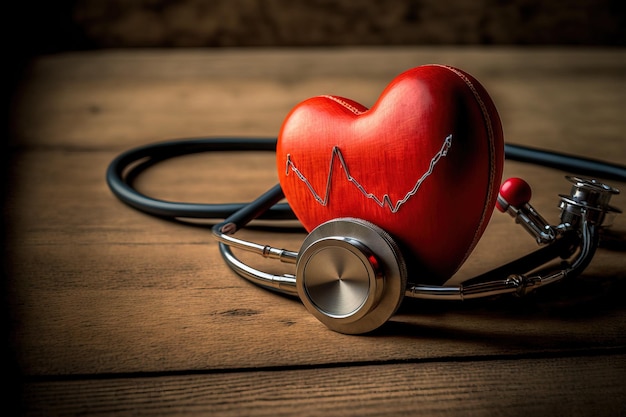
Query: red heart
{"points": [[424, 163]]}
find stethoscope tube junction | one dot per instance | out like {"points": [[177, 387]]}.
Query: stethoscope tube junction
{"points": [[351, 275]]}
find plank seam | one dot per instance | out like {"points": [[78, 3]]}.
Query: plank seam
{"points": [[546, 354]]}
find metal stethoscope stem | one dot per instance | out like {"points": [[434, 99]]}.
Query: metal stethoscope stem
{"points": [[583, 212]]}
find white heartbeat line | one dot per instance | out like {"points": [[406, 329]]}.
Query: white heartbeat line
{"points": [[382, 202]]}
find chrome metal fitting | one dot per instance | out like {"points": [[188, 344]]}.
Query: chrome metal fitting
{"points": [[591, 197]]}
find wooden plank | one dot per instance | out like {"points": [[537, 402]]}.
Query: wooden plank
{"points": [[47, 205], [99, 288], [572, 386], [182, 323], [554, 98]]}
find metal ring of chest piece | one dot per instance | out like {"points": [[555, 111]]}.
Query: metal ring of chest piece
{"points": [[351, 275]]}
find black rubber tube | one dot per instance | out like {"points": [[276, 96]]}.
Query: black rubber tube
{"points": [[128, 165]]}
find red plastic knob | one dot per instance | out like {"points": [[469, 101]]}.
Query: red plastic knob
{"points": [[513, 192]]}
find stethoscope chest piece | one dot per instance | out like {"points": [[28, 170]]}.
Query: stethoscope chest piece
{"points": [[350, 275]]}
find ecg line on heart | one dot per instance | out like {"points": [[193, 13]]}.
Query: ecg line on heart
{"points": [[382, 202]]}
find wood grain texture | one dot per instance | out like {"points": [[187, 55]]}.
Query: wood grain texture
{"points": [[570, 386], [98, 290], [93, 278]]}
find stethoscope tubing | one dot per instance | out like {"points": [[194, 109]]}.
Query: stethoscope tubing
{"points": [[575, 164], [127, 166]]}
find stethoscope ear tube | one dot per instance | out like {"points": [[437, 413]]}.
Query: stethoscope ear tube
{"points": [[570, 163], [127, 166]]}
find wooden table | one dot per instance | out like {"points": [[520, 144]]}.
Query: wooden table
{"points": [[118, 313]]}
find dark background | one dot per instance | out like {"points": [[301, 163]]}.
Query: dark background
{"points": [[51, 26]]}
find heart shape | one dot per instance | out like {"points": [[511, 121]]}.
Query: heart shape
{"points": [[424, 163]]}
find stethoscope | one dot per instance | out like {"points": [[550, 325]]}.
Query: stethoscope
{"points": [[381, 278]]}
